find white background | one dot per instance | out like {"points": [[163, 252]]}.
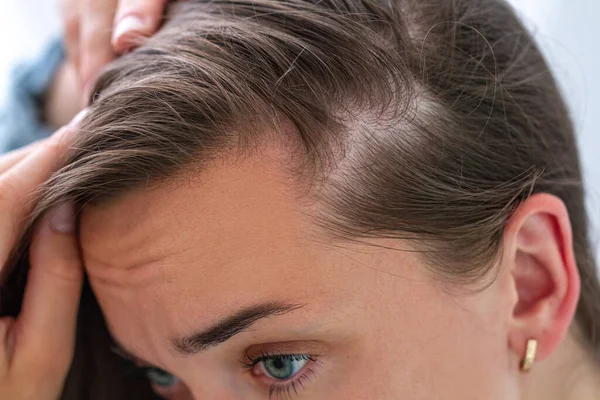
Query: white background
{"points": [[566, 29]]}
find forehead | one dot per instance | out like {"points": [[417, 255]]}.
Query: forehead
{"points": [[224, 210], [168, 260], [179, 255]]}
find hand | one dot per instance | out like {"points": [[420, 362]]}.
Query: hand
{"points": [[36, 348], [96, 30], [62, 100]]}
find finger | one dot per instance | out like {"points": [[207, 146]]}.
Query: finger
{"points": [[136, 19], [70, 11], [16, 186], [47, 322], [96, 31], [10, 159], [20, 181]]}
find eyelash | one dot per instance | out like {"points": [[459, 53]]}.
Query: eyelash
{"points": [[283, 390], [289, 388]]}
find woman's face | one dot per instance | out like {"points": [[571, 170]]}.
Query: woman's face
{"points": [[225, 282]]}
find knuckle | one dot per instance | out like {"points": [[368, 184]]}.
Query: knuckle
{"points": [[70, 16], [57, 145], [54, 146], [63, 268], [71, 26], [67, 270]]}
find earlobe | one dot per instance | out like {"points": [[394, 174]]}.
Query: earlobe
{"points": [[540, 256]]}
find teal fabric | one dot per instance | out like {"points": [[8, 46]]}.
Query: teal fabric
{"points": [[20, 116]]}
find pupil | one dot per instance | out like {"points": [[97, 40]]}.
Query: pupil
{"points": [[280, 368]]}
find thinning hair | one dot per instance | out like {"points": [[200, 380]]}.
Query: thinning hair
{"points": [[424, 120]]}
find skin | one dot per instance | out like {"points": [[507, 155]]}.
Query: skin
{"points": [[193, 252], [36, 348], [62, 99], [95, 31], [190, 254]]}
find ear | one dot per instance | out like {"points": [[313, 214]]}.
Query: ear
{"points": [[538, 252]]}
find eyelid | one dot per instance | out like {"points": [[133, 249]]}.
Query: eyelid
{"points": [[312, 347], [285, 389]]}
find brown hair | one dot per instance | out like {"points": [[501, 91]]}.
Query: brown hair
{"points": [[428, 120]]}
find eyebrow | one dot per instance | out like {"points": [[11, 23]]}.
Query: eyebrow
{"points": [[230, 326]]}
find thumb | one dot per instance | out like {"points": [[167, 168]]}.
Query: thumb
{"points": [[47, 321], [134, 20]]}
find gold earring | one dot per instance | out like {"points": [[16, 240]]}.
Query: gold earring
{"points": [[529, 359]]}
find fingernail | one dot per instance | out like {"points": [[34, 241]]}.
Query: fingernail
{"points": [[128, 24], [62, 218], [77, 119]]}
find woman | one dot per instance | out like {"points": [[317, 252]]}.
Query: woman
{"points": [[343, 199]]}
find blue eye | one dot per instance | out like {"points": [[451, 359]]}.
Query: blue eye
{"points": [[284, 367], [161, 378]]}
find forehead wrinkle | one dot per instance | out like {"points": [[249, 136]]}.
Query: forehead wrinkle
{"points": [[219, 231], [128, 232], [132, 276], [139, 255], [132, 267], [214, 217]]}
